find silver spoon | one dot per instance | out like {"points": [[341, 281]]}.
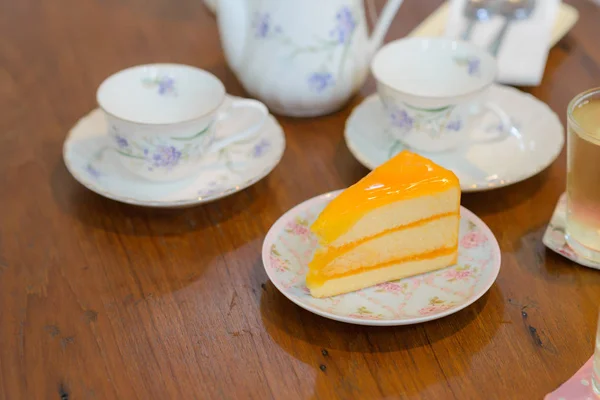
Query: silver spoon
{"points": [[511, 10], [476, 11]]}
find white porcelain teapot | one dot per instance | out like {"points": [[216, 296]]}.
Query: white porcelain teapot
{"points": [[300, 57]]}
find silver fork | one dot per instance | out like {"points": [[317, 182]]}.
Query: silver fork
{"points": [[476, 11], [511, 10]]}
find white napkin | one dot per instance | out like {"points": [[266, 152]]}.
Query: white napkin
{"points": [[522, 57]]}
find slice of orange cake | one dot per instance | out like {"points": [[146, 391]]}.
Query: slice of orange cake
{"points": [[400, 220]]}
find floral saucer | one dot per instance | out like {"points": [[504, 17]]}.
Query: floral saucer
{"points": [[554, 237], [536, 140], [91, 161], [289, 245]]}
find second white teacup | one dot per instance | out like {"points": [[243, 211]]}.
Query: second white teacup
{"points": [[432, 91], [162, 118]]}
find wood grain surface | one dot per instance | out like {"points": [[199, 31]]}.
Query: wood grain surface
{"points": [[100, 300]]}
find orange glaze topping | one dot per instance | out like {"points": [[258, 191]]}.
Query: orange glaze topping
{"points": [[407, 175]]}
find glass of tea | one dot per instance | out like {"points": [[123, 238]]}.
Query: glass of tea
{"points": [[583, 174]]}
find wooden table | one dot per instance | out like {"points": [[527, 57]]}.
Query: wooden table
{"points": [[100, 300]]}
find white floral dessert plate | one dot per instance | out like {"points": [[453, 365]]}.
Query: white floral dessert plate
{"points": [[554, 237], [536, 140], [90, 159], [289, 245]]}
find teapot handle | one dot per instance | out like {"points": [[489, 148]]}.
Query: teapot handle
{"points": [[383, 24]]}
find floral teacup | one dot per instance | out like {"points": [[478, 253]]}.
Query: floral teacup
{"points": [[163, 118], [432, 91]]}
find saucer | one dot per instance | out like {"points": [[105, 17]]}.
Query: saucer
{"points": [[289, 246], [536, 140], [554, 237], [90, 159]]}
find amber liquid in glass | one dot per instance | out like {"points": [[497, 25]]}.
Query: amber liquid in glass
{"points": [[583, 180]]}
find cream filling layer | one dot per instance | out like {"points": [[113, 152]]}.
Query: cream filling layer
{"points": [[423, 238], [375, 276]]}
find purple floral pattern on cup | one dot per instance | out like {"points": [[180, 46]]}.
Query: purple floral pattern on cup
{"points": [[290, 244], [154, 155], [401, 119], [432, 121], [166, 156], [164, 83], [121, 141], [455, 125], [472, 64]]}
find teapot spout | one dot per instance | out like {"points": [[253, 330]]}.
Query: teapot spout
{"points": [[233, 19], [383, 24]]}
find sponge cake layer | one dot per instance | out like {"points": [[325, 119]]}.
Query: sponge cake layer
{"points": [[392, 216], [375, 276], [440, 232]]}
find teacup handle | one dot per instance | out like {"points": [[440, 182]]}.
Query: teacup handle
{"points": [[505, 122], [247, 133]]}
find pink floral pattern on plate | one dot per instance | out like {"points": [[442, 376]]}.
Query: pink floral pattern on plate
{"points": [[473, 239], [289, 246], [460, 273], [554, 237], [436, 305]]}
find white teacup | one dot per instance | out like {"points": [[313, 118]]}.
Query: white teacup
{"points": [[162, 118], [432, 91]]}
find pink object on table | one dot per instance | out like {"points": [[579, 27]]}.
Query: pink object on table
{"points": [[579, 387]]}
